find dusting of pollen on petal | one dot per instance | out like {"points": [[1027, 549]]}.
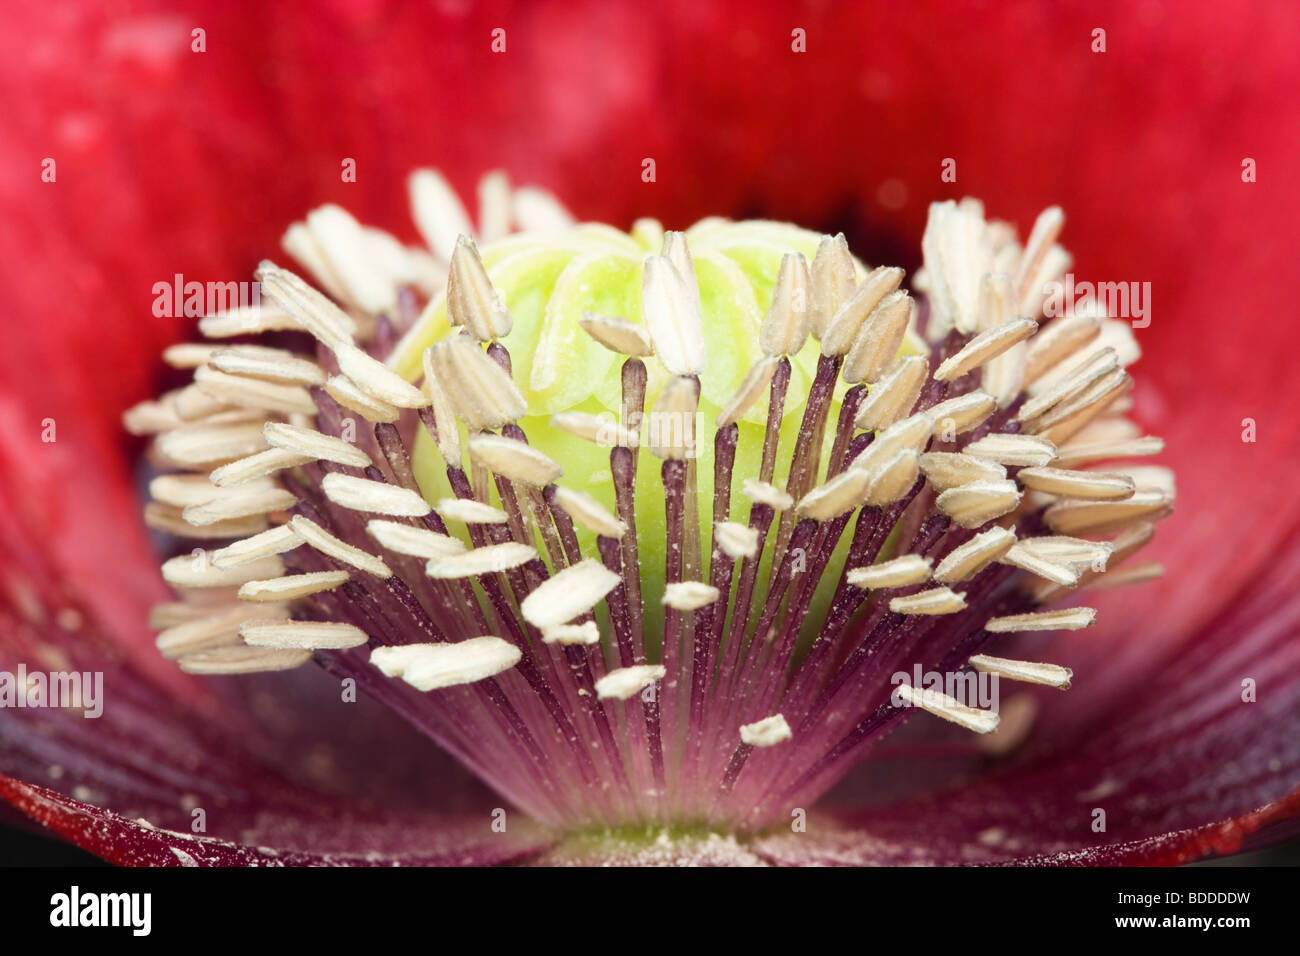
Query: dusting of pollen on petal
{"points": [[786, 474]]}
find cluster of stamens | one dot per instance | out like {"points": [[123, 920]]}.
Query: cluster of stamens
{"points": [[952, 498]]}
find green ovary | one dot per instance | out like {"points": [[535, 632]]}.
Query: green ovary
{"points": [[548, 283]]}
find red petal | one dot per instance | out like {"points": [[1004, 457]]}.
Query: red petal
{"points": [[274, 838]]}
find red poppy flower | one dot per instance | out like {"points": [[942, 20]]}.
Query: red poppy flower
{"points": [[151, 140]]}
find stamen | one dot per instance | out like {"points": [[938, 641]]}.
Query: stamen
{"points": [[1099, 364], [198, 445], [375, 497], [1152, 478], [433, 666], [168, 519], [346, 392], [513, 459], [312, 444], [1083, 452], [309, 635], [858, 311], [195, 404], [312, 311], [1077, 552], [618, 335], [985, 347], [1065, 619], [1053, 675], [246, 320], [471, 299], [876, 344], [568, 594], [184, 571], [934, 601], [1077, 484], [256, 501], [673, 438], [1134, 574], [941, 705], [672, 316], [292, 586], [586, 633], [973, 504], [946, 470], [489, 559], [275, 541], [376, 380], [832, 279], [1021, 450], [470, 512], [478, 389], [838, 496], [1057, 342], [894, 396], [674, 249], [1046, 228], [899, 573], [327, 544], [1003, 376], [256, 466], [1095, 517], [590, 513], [751, 389], [149, 418], [437, 211], [416, 542], [593, 428], [910, 433], [274, 364], [439, 419], [183, 490], [219, 628], [1127, 543], [339, 258], [961, 414], [975, 555], [537, 211], [893, 479], [760, 492], [627, 682], [766, 732], [493, 206], [956, 258], [689, 595], [1068, 417], [785, 327], [240, 659], [736, 540], [188, 354], [1027, 560]]}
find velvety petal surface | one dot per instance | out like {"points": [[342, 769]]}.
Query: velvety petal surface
{"points": [[276, 836]]}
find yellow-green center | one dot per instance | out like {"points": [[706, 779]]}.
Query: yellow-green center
{"points": [[548, 283]]}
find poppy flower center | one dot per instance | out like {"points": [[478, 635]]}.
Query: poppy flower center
{"points": [[644, 528]]}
